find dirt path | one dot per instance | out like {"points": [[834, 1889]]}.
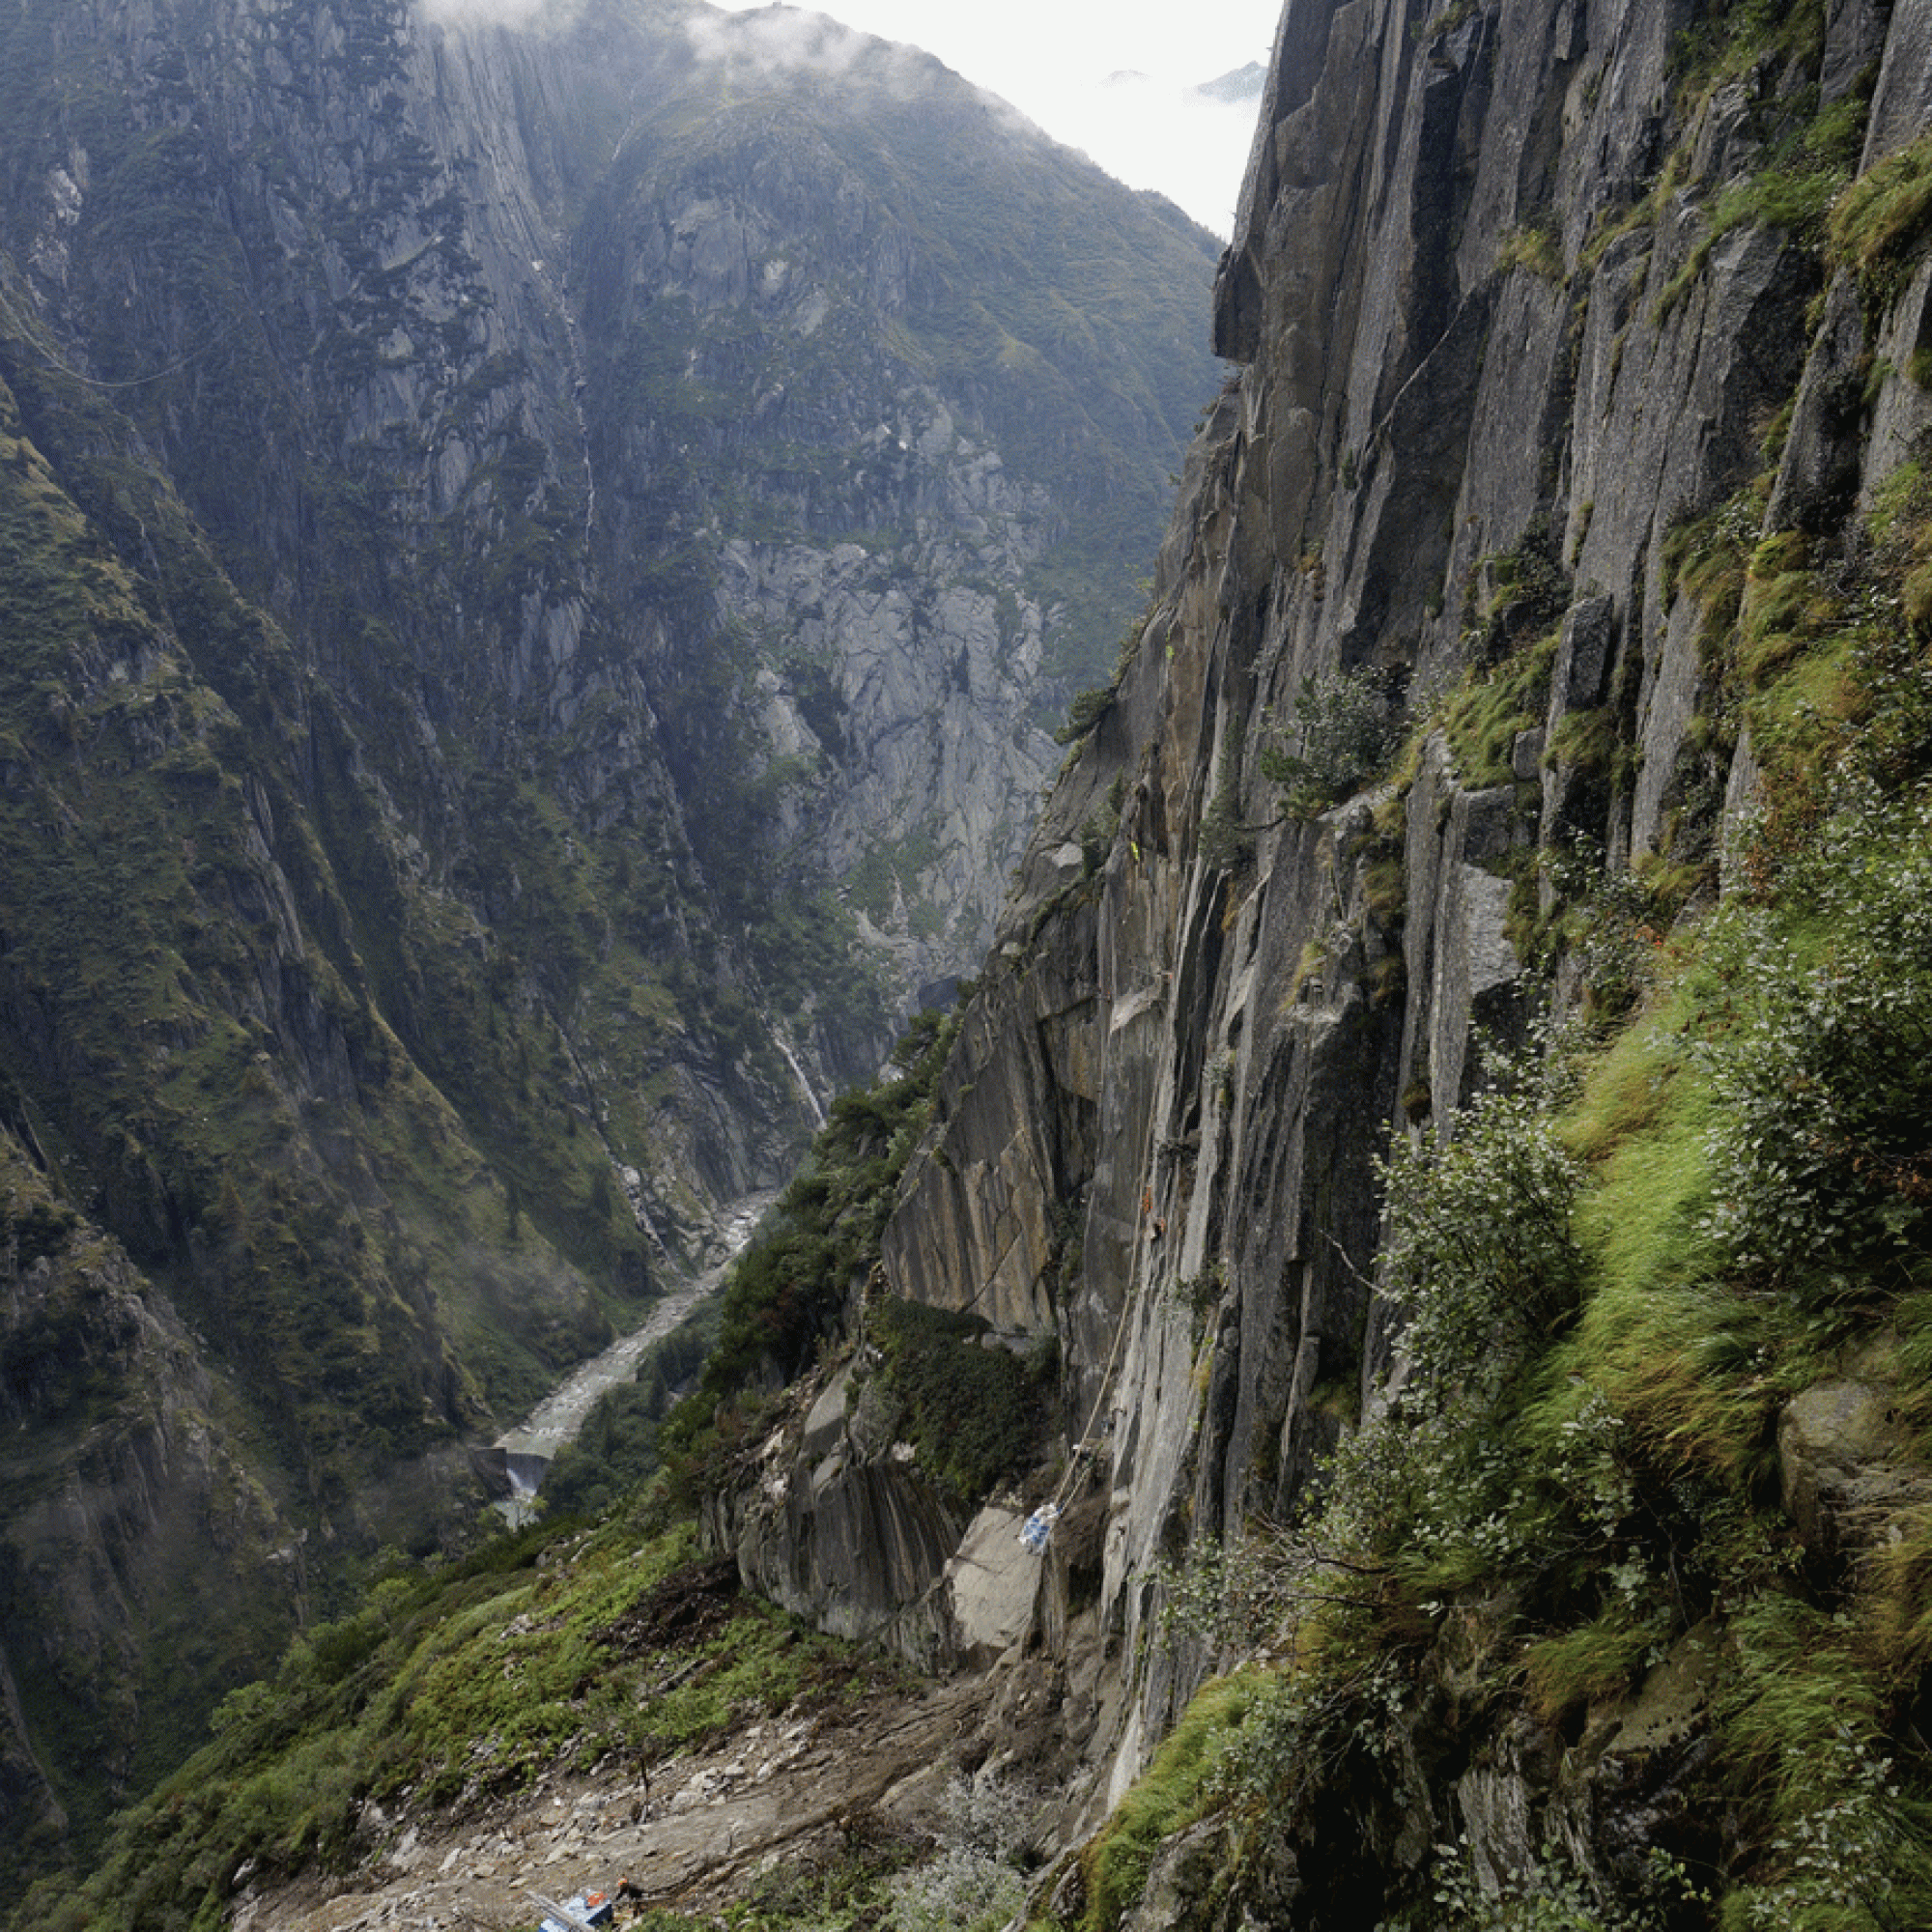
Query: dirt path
{"points": [[781, 1789]]}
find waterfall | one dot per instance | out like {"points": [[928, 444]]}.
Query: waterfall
{"points": [[798, 1075]]}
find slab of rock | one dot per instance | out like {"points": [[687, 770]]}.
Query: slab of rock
{"points": [[1843, 1464], [1675, 1697], [992, 1581]]}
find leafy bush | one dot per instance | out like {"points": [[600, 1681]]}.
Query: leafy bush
{"points": [[1821, 1141], [1841, 1859], [1085, 711], [972, 1412], [1480, 1252], [1551, 1896], [1344, 729]]}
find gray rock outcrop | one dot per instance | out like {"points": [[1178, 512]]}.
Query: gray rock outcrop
{"points": [[1494, 373]]}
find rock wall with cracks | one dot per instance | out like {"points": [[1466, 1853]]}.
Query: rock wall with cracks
{"points": [[1498, 333]]}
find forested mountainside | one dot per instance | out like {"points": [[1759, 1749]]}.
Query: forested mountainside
{"points": [[538, 568]]}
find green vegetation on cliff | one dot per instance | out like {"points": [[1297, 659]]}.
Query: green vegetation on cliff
{"points": [[550, 1652], [1656, 1461], [1609, 1611], [791, 1289]]}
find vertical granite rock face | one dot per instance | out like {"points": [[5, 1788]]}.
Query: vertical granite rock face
{"points": [[1496, 349]]}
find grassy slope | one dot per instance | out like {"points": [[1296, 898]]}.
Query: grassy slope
{"points": [[562, 1648]]}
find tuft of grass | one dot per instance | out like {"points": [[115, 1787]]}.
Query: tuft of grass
{"points": [[1898, 1582], [1536, 244], [1800, 1681], [1689, 1365], [1484, 717], [1878, 223], [1588, 1664], [1640, 1219], [1175, 1791], [1626, 1093], [1677, 1350]]}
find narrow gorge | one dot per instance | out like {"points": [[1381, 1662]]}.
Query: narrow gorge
{"points": [[1381, 1353], [539, 564]]}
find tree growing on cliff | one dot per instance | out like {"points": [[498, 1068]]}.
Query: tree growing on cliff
{"points": [[1343, 730]]}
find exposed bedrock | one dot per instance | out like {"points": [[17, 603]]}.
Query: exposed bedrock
{"points": [[1485, 368]]}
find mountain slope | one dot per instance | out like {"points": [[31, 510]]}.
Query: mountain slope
{"points": [[491, 516], [1450, 1082]]}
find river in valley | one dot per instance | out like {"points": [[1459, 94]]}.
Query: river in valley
{"points": [[556, 1420]]}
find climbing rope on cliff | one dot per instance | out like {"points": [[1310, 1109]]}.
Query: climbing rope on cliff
{"points": [[1037, 1531]]}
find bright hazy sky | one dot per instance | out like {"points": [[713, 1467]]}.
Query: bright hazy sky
{"points": [[1111, 78]]}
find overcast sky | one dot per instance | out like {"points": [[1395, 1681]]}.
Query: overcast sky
{"points": [[1114, 80]]}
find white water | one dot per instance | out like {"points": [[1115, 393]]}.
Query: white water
{"points": [[798, 1074]]}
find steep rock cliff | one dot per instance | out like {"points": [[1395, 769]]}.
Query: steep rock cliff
{"points": [[137, 1574], [1565, 336]]}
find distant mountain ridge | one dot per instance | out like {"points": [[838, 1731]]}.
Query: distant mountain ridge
{"points": [[539, 566], [1242, 84]]}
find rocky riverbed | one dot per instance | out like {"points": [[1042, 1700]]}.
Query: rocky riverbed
{"points": [[556, 1420]]}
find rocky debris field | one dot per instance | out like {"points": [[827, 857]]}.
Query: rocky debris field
{"points": [[788, 1791]]}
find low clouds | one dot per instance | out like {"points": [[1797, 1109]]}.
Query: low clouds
{"points": [[496, 13], [1153, 134], [778, 38], [791, 40], [1123, 85], [1130, 88]]}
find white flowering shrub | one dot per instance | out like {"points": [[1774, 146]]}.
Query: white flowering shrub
{"points": [[990, 1814], [975, 1882], [960, 1891]]}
